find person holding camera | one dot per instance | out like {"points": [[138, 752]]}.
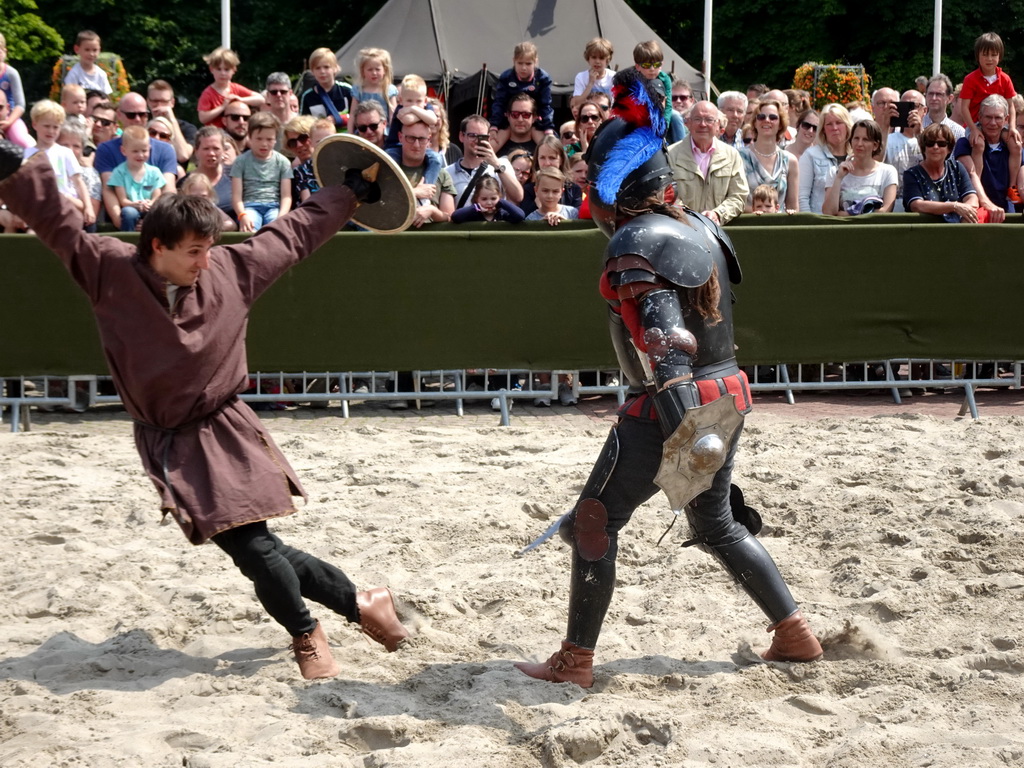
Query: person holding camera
{"points": [[902, 147], [480, 160]]}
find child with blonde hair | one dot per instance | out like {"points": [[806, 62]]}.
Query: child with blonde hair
{"points": [[198, 184], [549, 185], [223, 64], [329, 97], [413, 108], [47, 119], [12, 127], [597, 78], [136, 183], [375, 81]]}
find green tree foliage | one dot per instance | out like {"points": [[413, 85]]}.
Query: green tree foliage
{"points": [[765, 41], [168, 39], [29, 38]]}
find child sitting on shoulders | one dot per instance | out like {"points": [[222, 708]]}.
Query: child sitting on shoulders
{"points": [[648, 58], [986, 80], [223, 63], [136, 183], [488, 205], [47, 119], [375, 81], [329, 97], [261, 178], [413, 108], [524, 77], [549, 184], [765, 199]]}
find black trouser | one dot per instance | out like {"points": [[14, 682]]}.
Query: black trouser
{"points": [[283, 576], [710, 516]]}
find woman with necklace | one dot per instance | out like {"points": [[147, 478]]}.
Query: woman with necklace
{"points": [[862, 184], [765, 162], [938, 184], [818, 163]]}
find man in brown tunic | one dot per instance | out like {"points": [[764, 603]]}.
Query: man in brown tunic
{"points": [[172, 316]]}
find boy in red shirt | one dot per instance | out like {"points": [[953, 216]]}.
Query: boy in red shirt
{"points": [[987, 79]]}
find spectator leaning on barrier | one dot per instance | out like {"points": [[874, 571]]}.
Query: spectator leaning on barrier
{"points": [[939, 185], [994, 158], [436, 201], [708, 172], [862, 184]]}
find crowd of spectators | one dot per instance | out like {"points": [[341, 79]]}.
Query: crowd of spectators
{"points": [[762, 151]]}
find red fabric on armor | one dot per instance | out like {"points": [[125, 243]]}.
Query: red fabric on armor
{"points": [[711, 389]]}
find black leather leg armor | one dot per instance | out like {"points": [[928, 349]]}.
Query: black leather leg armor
{"points": [[732, 544]]}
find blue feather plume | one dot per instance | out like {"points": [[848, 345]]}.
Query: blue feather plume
{"points": [[629, 153]]}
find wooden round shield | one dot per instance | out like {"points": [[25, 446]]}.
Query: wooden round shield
{"points": [[395, 210]]}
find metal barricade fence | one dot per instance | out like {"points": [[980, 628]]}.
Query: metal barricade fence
{"points": [[505, 386]]}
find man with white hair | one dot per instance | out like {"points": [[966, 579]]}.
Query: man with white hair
{"points": [[733, 105], [994, 158], [708, 172]]}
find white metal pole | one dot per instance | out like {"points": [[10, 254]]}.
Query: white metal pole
{"points": [[707, 47], [225, 23], [937, 39]]}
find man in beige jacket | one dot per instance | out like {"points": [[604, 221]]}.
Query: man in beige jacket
{"points": [[709, 173]]}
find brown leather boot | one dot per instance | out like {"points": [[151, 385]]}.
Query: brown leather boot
{"points": [[314, 654], [569, 664], [378, 619], [793, 641]]}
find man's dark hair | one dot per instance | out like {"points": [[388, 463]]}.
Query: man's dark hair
{"points": [[464, 125], [174, 217]]}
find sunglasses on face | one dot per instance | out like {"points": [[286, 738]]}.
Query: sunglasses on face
{"points": [[681, 97], [568, 135], [278, 92], [589, 118], [747, 139], [769, 118], [368, 127], [809, 126], [650, 65], [157, 135], [135, 115], [244, 118], [937, 143], [102, 122], [293, 142], [517, 115]]}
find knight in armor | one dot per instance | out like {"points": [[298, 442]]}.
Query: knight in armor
{"points": [[665, 278]]}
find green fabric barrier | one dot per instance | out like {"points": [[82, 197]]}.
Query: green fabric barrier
{"points": [[527, 297]]}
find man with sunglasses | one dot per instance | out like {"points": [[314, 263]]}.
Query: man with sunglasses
{"points": [[132, 110], [369, 122], [277, 97], [236, 123], [479, 160], [521, 116], [161, 103]]}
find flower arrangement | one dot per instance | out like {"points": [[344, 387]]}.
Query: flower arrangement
{"points": [[111, 65], [828, 83]]}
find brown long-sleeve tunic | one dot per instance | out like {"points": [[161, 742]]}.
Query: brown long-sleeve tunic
{"points": [[178, 369]]}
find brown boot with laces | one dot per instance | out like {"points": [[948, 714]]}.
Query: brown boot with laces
{"points": [[569, 664], [793, 641], [314, 654], [378, 619]]}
